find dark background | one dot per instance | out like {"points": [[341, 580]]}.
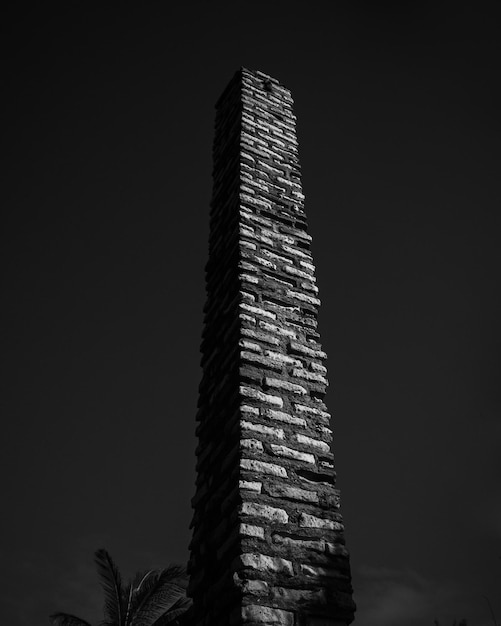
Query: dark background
{"points": [[108, 130]]}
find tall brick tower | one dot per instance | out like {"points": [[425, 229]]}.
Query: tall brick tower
{"points": [[268, 545]]}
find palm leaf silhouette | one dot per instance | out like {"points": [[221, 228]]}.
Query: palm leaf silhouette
{"points": [[159, 593], [111, 582], [152, 598]]}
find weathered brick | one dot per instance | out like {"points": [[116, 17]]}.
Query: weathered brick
{"points": [[311, 376], [290, 453], [270, 431], [311, 521], [249, 485], [254, 445], [303, 297], [283, 417], [249, 392], [260, 336], [249, 530], [309, 441], [284, 385], [264, 563], [262, 467], [280, 330], [270, 513], [299, 348], [250, 345], [279, 490], [283, 359], [257, 311], [310, 410]]}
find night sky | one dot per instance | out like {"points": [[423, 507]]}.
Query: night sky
{"points": [[107, 182]]}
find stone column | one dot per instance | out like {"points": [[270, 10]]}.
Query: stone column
{"points": [[268, 545]]}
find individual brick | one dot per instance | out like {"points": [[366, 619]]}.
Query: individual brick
{"points": [[309, 441], [262, 467], [264, 563], [262, 429], [311, 521], [272, 514], [250, 530], [290, 453], [249, 392], [284, 385], [289, 492]]}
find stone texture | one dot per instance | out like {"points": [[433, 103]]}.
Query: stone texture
{"points": [[268, 545], [270, 513], [311, 521], [290, 453], [266, 615], [262, 467], [250, 530], [264, 563]]}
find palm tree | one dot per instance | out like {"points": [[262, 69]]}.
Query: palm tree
{"points": [[152, 598]]}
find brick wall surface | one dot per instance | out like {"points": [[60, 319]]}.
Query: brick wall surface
{"points": [[268, 545]]}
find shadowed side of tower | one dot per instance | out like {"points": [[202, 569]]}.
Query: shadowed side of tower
{"points": [[268, 545]]}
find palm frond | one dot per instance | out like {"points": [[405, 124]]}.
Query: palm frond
{"points": [[127, 594], [111, 582], [65, 619], [143, 584], [159, 594], [178, 609], [141, 578]]}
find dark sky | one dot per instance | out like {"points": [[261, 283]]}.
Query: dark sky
{"points": [[108, 137]]}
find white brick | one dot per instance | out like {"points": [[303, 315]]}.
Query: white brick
{"points": [[250, 530], [250, 345], [262, 429], [282, 358], [296, 252], [255, 587], [273, 328], [272, 514], [285, 385], [306, 350], [248, 244], [249, 392], [290, 269], [249, 485], [283, 417], [279, 490], [308, 410], [261, 336], [310, 521], [302, 297], [251, 444], [281, 259], [308, 266], [252, 410], [290, 453], [263, 468], [309, 441], [279, 236], [311, 376], [257, 311], [265, 563]]}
